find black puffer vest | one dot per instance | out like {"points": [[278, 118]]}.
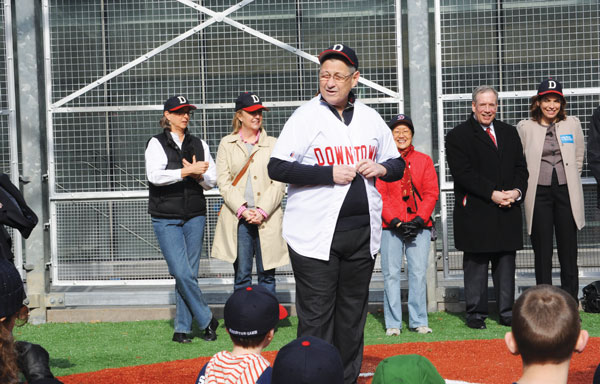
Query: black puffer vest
{"points": [[185, 199]]}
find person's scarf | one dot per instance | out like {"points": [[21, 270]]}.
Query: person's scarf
{"points": [[406, 185]]}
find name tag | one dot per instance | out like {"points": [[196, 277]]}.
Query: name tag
{"points": [[566, 139]]}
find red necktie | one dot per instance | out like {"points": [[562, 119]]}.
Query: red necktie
{"points": [[489, 132]]}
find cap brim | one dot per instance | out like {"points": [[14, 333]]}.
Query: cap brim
{"points": [[330, 52], [181, 106], [256, 107], [551, 91]]}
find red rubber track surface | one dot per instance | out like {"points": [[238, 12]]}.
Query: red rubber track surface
{"points": [[473, 361]]}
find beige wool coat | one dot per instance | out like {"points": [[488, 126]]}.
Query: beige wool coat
{"points": [[268, 194], [532, 136]]}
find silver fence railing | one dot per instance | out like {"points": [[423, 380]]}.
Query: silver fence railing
{"points": [[506, 44]]}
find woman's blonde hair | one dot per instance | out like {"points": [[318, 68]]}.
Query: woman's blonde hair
{"points": [[236, 124]]}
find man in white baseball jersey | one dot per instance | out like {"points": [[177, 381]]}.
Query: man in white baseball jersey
{"points": [[330, 151]]}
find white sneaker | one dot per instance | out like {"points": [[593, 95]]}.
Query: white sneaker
{"points": [[393, 332], [422, 329]]}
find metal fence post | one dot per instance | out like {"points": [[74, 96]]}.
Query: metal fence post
{"points": [[30, 124]]}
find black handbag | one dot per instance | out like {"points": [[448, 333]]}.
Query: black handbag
{"points": [[591, 297]]}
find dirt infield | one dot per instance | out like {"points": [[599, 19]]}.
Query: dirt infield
{"points": [[474, 361]]}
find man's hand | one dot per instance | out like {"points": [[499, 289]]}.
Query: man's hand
{"points": [[343, 174], [504, 199], [514, 194], [368, 168]]}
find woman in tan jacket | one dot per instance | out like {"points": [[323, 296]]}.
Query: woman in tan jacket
{"points": [[249, 224], [554, 147]]}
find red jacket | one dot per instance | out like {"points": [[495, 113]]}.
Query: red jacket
{"points": [[425, 181]]}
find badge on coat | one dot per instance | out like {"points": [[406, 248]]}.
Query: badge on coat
{"points": [[566, 139]]}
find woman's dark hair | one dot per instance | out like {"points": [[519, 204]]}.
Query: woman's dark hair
{"points": [[9, 371], [536, 111], [164, 123]]}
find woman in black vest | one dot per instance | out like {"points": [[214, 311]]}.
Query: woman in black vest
{"points": [[179, 166]]}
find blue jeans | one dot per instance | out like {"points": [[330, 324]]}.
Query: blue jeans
{"points": [[417, 252], [248, 244], [181, 244]]}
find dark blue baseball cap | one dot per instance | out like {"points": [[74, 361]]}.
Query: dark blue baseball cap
{"points": [[340, 51], [308, 360], [550, 86], [177, 102], [402, 119], [249, 102], [251, 311]]}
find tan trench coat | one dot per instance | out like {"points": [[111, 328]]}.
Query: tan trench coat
{"points": [[268, 194], [532, 136]]}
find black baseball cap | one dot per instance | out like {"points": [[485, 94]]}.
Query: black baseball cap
{"points": [[550, 86], [341, 51], [251, 311], [404, 119], [177, 102], [249, 102], [308, 360]]}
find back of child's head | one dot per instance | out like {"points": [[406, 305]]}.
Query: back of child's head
{"points": [[250, 313], [545, 325], [413, 369], [308, 360]]}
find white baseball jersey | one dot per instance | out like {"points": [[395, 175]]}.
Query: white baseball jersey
{"points": [[313, 135]]}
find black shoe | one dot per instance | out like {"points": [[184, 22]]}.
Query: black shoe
{"points": [[181, 338], [506, 322], [476, 324], [210, 333]]}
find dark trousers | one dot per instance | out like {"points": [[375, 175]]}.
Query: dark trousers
{"points": [[475, 266], [552, 214], [332, 296]]}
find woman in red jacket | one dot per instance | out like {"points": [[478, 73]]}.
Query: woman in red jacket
{"points": [[407, 208]]}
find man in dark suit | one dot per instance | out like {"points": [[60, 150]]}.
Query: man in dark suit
{"points": [[486, 160]]}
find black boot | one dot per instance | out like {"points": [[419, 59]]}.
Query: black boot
{"points": [[210, 333]]}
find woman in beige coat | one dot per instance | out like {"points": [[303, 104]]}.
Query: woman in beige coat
{"points": [[249, 224], [554, 147]]}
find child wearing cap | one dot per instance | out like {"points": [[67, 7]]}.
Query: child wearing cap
{"points": [[308, 360], [546, 330], [414, 369], [251, 315]]}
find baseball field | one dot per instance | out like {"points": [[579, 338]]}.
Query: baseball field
{"points": [[142, 352]]}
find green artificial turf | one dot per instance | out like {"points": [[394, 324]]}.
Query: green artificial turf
{"points": [[87, 347]]}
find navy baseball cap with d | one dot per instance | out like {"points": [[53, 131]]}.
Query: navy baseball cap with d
{"points": [[402, 119], [308, 360], [550, 86], [251, 311], [177, 102], [249, 102], [340, 51]]}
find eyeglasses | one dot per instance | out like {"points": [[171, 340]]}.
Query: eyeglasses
{"points": [[189, 112], [337, 77]]}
